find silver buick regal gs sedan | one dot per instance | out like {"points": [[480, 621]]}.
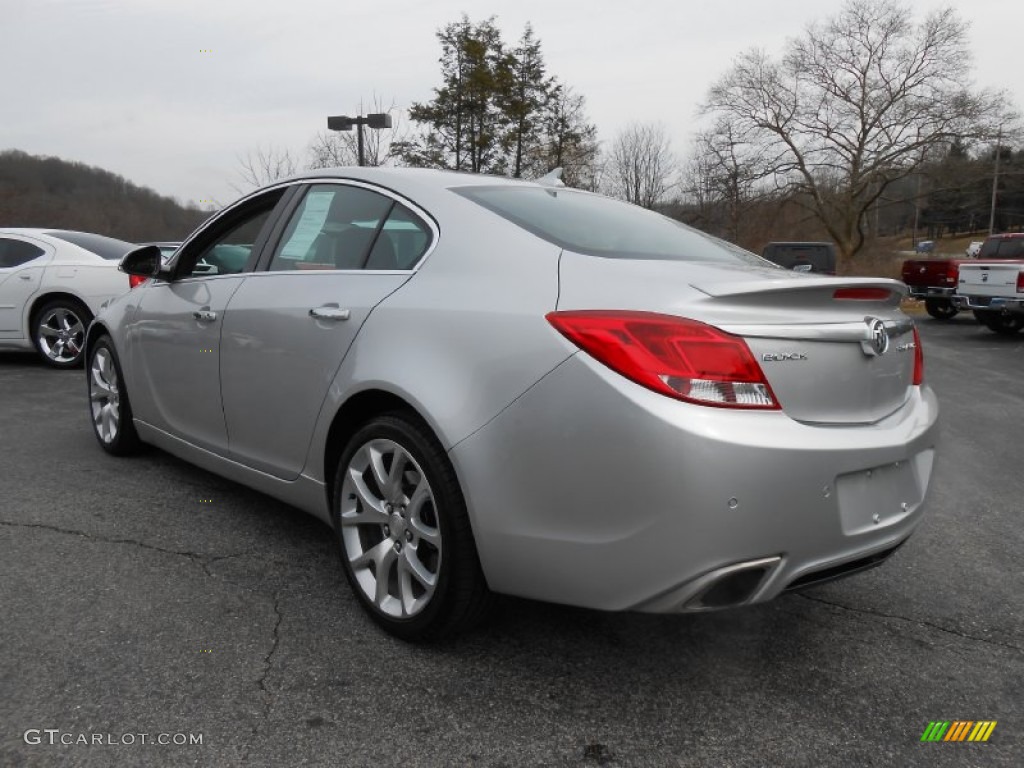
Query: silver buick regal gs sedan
{"points": [[497, 386]]}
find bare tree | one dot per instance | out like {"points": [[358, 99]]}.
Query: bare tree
{"points": [[336, 148], [259, 167], [723, 177], [640, 165], [569, 140], [853, 105]]}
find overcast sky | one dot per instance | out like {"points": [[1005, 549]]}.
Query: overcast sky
{"points": [[127, 85]]}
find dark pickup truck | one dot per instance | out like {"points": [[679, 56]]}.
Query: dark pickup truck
{"points": [[936, 280]]}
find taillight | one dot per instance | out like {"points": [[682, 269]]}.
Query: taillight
{"points": [[135, 281], [673, 356], [1020, 281], [952, 272], [918, 360], [862, 294]]}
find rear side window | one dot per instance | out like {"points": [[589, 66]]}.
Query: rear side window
{"points": [[1002, 248], [402, 241], [334, 227], [599, 226], [344, 227], [104, 247], [14, 253]]}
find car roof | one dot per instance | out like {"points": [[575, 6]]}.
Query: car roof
{"points": [[420, 176]]}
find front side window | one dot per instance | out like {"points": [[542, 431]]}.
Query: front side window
{"points": [[226, 248], [14, 253], [599, 226]]}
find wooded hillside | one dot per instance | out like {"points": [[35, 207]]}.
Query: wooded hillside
{"points": [[49, 192]]}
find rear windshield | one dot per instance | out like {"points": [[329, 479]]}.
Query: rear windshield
{"points": [[105, 247], [599, 226], [1002, 248]]}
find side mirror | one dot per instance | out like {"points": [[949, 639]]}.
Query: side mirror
{"points": [[144, 261]]}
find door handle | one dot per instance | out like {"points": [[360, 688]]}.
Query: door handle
{"points": [[329, 313], [204, 315]]}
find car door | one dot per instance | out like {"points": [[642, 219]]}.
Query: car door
{"points": [[289, 326], [22, 262], [175, 333]]}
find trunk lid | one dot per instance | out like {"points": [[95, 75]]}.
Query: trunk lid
{"points": [[829, 360]]}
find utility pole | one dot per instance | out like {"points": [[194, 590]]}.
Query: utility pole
{"points": [[995, 186]]}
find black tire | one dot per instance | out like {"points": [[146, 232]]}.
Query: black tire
{"points": [[460, 599], [105, 386], [981, 315], [940, 309], [58, 329], [1004, 325]]}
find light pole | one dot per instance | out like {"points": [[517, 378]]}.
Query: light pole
{"points": [[344, 123], [995, 186]]}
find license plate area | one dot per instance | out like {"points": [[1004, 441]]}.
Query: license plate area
{"points": [[875, 498]]}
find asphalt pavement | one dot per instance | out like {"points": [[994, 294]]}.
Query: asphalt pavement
{"points": [[144, 600]]}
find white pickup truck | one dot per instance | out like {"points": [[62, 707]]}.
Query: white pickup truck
{"points": [[996, 294]]}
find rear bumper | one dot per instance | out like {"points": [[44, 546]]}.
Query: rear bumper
{"points": [[928, 292], [593, 491], [990, 303]]}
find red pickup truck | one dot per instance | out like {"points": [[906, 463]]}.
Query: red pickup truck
{"points": [[935, 280]]}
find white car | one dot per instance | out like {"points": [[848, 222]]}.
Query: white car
{"points": [[52, 283], [974, 249]]}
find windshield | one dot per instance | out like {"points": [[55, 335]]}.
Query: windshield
{"points": [[599, 226]]}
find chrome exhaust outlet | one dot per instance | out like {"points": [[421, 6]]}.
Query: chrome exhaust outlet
{"points": [[731, 586]]}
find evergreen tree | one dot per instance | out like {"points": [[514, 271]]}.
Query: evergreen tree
{"points": [[498, 111]]}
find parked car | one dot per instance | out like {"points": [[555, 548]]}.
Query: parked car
{"points": [[973, 249], [492, 385], [802, 257], [925, 246], [994, 290], [52, 282]]}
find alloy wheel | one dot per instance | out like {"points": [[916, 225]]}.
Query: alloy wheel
{"points": [[389, 528], [61, 334], [104, 398]]}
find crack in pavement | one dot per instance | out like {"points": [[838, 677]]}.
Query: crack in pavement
{"points": [[261, 683], [105, 539], [919, 622], [203, 561]]}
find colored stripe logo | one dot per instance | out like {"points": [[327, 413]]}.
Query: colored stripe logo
{"points": [[958, 730]]}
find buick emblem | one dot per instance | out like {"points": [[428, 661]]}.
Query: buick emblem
{"points": [[879, 341], [984, 277]]}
